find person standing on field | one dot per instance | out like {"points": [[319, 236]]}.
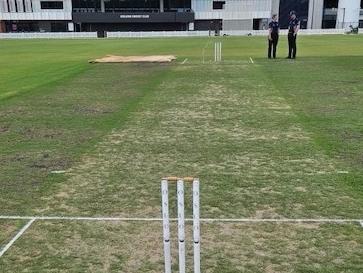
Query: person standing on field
{"points": [[273, 36], [294, 27]]}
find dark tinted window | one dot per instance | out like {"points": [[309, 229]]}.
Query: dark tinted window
{"points": [[178, 4], [131, 5], [86, 5], [218, 4], [51, 5], [331, 4], [137, 4]]}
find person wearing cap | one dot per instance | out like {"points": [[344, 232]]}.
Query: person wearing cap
{"points": [[294, 26], [273, 36]]}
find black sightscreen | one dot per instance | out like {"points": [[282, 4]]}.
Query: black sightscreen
{"points": [[300, 6]]}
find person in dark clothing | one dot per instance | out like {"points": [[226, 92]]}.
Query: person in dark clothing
{"points": [[294, 27], [273, 36]]}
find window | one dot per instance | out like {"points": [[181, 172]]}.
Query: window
{"points": [[178, 4], [300, 6], [51, 5], [58, 27], [257, 24], [331, 4], [218, 4], [131, 5]]}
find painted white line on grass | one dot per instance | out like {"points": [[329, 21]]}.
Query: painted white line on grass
{"points": [[282, 220], [186, 59], [206, 220], [58, 172], [74, 218], [16, 237], [361, 223], [252, 60], [342, 172]]}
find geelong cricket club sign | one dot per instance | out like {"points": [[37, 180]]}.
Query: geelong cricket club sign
{"points": [[134, 16]]}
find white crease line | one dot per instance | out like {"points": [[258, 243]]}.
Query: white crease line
{"points": [[206, 220], [58, 172], [71, 218], [16, 237], [185, 61], [251, 60], [255, 220]]}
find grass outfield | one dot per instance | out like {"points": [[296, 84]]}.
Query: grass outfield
{"points": [[273, 139]]}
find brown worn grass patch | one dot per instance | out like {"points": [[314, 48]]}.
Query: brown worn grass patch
{"points": [[50, 162], [216, 131], [8, 229], [4, 129], [226, 247]]}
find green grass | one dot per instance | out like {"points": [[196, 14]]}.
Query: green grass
{"points": [[129, 247], [8, 230], [273, 139]]}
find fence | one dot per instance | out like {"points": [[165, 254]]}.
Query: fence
{"points": [[160, 34], [225, 32], [284, 32], [149, 34], [48, 35]]}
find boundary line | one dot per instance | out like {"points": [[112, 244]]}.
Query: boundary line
{"points": [[205, 220], [17, 236], [252, 60]]}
